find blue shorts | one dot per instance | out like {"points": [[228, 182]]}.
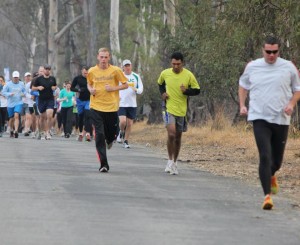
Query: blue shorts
{"points": [[16, 109], [44, 105], [129, 112], [82, 105]]}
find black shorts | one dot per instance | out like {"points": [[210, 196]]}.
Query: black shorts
{"points": [[129, 112], [44, 105]]}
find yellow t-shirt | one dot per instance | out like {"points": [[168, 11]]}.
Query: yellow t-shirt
{"points": [[97, 78], [177, 102]]}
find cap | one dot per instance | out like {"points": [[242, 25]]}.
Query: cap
{"points": [[27, 74], [126, 62], [15, 74], [47, 66]]}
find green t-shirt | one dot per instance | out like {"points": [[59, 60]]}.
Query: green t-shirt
{"points": [[69, 98], [177, 101]]}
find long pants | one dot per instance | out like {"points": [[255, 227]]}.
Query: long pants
{"points": [[3, 117], [270, 140], [85, 120], [67, 117], [105, 124]]}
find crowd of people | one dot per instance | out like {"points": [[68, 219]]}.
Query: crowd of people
{"points": [[103, 98]]}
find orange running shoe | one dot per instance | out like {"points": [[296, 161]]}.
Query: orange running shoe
{"points": [[268, 203], [274, 185]]}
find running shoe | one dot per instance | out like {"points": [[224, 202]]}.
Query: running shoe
{"points": [[103, 170], [274, 185], [67, 135], [88, 137], [268, 203], [39, 135], [168, 166], [48, 136], [109, 146], [16, 134], [126, 145], [27, 133], [11, 134], [174, 170], [120, 137], [80, 137]]}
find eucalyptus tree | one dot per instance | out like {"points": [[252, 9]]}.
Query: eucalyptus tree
{"points": [[114, 32]]}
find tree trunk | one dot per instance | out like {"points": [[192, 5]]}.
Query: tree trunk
{"points": [[169, 16], [114, 32], [91, 31], [54, 36], [75, 61], [52, 45]]}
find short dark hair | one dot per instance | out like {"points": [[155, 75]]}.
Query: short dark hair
{"points": [[177, 56], [84, 67], [271, 40]]}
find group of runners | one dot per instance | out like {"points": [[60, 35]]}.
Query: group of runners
{"points": [[105, 97]]}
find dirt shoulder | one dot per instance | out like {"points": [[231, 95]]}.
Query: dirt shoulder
{"points": [[230, 152]]}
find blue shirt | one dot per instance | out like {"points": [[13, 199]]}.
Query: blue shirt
{"points": [[14, 93]]}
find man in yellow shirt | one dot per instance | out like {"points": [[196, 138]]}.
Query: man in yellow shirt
{"points": [[175, 85], [103, 83]]}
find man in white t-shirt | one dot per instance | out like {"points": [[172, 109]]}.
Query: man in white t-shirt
{"points": [[28, 110], [274, 87], [128, 105]]}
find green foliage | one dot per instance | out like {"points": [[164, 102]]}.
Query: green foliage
{"points": [[218, 40]]}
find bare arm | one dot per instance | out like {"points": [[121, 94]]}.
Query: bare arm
{"points": [[290, 106], [243, 93]]}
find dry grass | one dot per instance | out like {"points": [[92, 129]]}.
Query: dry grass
{"points": [[226, 150]]}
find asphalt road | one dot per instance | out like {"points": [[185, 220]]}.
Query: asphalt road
{"points": [[52, 193]]}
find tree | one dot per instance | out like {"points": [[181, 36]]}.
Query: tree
{"points": [[114, 32], [54, 36]]}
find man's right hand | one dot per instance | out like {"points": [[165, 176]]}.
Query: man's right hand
{"points": [[165, 96], [243, 111]]}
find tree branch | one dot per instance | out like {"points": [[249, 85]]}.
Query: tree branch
{"points": [[58, 35]]}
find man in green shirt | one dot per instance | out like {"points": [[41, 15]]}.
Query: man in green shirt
{"points": [[175, 85]]}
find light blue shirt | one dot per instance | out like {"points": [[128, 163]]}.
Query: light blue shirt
{"points": [[271, 87], [14, 92]]}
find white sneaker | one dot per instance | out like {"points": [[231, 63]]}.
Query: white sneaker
{"points": [[119, 138], [174, 170], [168, 166], [126, 145]]}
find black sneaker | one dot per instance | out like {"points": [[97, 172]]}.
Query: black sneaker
{"points": [[27, 133], [103, 170], [109, 145], [16, 134], [11, 134]]}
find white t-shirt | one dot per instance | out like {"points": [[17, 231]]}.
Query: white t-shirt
{"points": [[128, 96], [27, 98], [3, 101], [271, 88]]}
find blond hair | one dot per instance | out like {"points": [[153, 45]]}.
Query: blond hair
{"points": [[103, 50]]}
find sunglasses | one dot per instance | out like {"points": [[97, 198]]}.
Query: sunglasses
{"points": [[271, 51]]}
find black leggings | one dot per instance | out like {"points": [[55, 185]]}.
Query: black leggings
{"points": [[85, 120], [105, 124], [4, 117], [270, 140]]}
